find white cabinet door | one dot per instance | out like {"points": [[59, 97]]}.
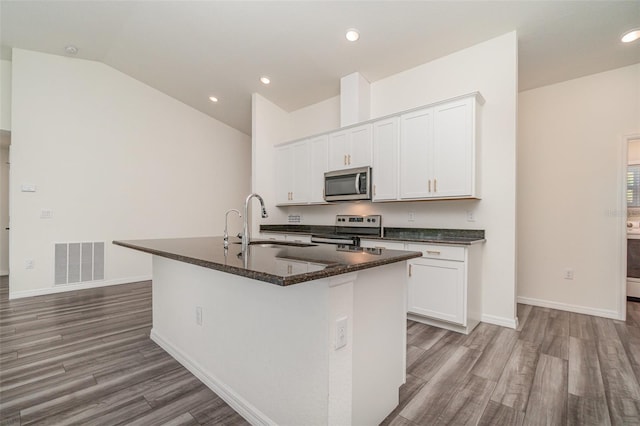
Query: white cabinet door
{"points": [[416, 144], [300, 178], [284, 174], [385, 159], [359, 154], [350, 148], [319, 159], [292, 173], [338, 148], [436, 289], [453, 149]]}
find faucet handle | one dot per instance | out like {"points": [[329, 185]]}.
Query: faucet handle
{"points": [[239, 235]]}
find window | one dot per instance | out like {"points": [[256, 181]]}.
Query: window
{"points": [[633, 185]]}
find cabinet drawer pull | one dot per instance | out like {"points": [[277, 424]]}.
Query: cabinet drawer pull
{"points": [[410, 269], [344, 160], [374, 190], [349, 158], [435, 185], [429, 185], [433, 252]]}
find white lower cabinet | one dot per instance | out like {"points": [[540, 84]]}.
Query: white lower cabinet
{"points": [[444, 285], [436, 289]]}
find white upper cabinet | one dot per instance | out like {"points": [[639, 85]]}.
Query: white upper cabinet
{"points": [[350, 148], [385, 159], [416, 151], [319, 164], [292, 174], [453, 148], [438, 151], [424, 154]]}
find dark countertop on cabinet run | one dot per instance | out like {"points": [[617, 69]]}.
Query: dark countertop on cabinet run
{"points": [[262, 262], [418, 235]]}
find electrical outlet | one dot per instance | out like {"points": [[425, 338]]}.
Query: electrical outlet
{"points": [[46, 214], [568, 274], [28, 264], [471, 216], [412, 216], [199, 315], [341, 333]]}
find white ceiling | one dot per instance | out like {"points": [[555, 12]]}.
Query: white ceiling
{"points": [[191, 50]]}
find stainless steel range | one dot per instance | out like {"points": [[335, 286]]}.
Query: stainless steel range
{"points": [[349, 229]]}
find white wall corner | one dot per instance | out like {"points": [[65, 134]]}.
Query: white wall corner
{"points": [[355, 99], [501, 321]]}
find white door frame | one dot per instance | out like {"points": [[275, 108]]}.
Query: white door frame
{"points": [[622, 300]]}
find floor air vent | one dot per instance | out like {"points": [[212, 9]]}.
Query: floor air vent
{"points": [[79, 262]]}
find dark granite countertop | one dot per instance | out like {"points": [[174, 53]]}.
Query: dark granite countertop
{"points": [[418, 235], [265, 260]]}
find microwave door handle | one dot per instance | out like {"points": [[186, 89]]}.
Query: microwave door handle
{"points": [[357, 183]]}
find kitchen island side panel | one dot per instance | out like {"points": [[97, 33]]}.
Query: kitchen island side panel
{"points": [[265, 344]]}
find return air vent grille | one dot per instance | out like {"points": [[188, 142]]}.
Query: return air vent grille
{"points": [[79, 262]]}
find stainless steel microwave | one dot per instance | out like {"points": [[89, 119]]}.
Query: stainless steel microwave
{"points": [[346, 185]]}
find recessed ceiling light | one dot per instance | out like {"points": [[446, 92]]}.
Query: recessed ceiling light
{"points": [[631, 35], [71, 49], [352, 34], [213, 99], [265, 80]]}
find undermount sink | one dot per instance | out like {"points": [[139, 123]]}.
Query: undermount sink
{"points": [[276, 244]]}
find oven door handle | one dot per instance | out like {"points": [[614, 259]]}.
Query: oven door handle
{"points": [[357, 183]]}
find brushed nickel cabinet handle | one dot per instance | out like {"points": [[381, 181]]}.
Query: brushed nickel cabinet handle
{"points": [[344, 160], [349, 159], [435, 185], [433, 252], [410, 265], [429, 185], [374, 190]]}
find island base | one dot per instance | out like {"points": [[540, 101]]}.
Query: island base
{"points": [[271, 352]]}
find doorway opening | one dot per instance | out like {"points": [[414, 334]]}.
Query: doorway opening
{"points": [[632, 203]]}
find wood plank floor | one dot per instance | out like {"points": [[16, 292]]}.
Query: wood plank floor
{"points": [[85, 357]]}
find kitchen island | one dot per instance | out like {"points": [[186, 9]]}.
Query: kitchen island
{"points": [[291, 334]]}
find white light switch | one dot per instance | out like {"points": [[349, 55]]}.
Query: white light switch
{"points": [[28, 187], [341, 333]]}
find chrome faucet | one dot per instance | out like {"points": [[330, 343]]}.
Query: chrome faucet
{"points": [[226, 233], [246, 236]]}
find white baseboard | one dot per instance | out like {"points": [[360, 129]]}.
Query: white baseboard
{"points": [[606, 313], [4, 272], [235, 401], [71, 287], [501, 321]]}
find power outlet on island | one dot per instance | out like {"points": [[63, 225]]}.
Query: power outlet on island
{"points": [[198, 315], [568, 274], [341, 333]]}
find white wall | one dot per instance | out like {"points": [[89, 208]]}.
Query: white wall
{"points": [[570, 176], [5, 95], [113, 159], [491, 69]]}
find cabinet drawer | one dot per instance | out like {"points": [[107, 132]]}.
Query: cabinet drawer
{"points": [[390, 245], [297, 238], [433, 251]]}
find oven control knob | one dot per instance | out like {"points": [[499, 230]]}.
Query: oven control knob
{"points": [[373, 220]]}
